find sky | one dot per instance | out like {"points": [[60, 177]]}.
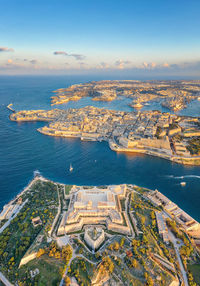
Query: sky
{"points": [[127, 38]]}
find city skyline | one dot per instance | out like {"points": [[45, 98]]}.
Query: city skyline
{"points": [[143, 39]]}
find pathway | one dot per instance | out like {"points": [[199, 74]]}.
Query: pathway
{"points": [[176, 247], [5, 280]]}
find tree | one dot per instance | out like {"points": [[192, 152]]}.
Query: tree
{"points": [[108, 265], [67, 281], [153, 223], [97, 255], [150, 281], [134, 263], [5, 255], [143, 220], [135, 242], [142, 250], [67, 252], [122, 242], [116, 246], [144, 239], [146, 275], [153, 215]]}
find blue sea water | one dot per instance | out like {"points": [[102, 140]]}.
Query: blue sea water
{"points": [[23, 149]]}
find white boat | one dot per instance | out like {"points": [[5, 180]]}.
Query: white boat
{"points": [[183, 184], [71, 168]]}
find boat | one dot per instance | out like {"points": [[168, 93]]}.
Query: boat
{"points": [[183, 184], [71, 168], [137, 105]]}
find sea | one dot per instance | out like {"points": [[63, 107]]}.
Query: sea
{"points": [[24, 150]]}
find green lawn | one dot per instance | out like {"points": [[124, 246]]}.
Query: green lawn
{"points": [[50, 270], [195, 269], [16, 239], [67, 189]]}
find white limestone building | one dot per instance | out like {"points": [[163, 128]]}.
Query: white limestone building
{"points": [[95, 206]]}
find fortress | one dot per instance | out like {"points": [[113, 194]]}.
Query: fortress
{"points": [[95, 206]]}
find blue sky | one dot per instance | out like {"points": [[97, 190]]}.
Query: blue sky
{"points": [[92, 36]]}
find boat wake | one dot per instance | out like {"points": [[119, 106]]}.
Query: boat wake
{"points": [[183, 177]]}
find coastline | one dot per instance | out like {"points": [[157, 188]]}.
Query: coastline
{"points": [[30, 119], [191, 161], [155, 198], [39, 177], [157, 153], [151, 133]]}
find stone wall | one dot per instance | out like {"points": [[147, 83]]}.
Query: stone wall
{"points": [[94, 244], [155, 143]]}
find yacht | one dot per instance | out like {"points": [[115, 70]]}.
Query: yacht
{"points": [[71, 168], [183, 184]]}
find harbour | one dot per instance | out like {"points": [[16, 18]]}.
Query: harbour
{"points": [[23, 150]]}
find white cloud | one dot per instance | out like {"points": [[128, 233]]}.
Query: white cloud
{"points": [[78, 57], [60, 53], [149, 65], [166, 65], [5, 49], [121, 64]]}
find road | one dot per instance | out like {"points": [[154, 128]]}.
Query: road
{"points": [[57, 215], [177, 244], [20, 207], [5, 280], [73, 257], [176, 247], [65, 273], [12, 217], [127, 210]]}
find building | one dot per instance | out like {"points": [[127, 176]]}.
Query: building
{"points": [[95, 206], [185, 220], [36, 221], [94, 237]]}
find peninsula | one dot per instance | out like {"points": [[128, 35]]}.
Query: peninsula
{"points": [[56, 234], [174, 95], [169, 136]]}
